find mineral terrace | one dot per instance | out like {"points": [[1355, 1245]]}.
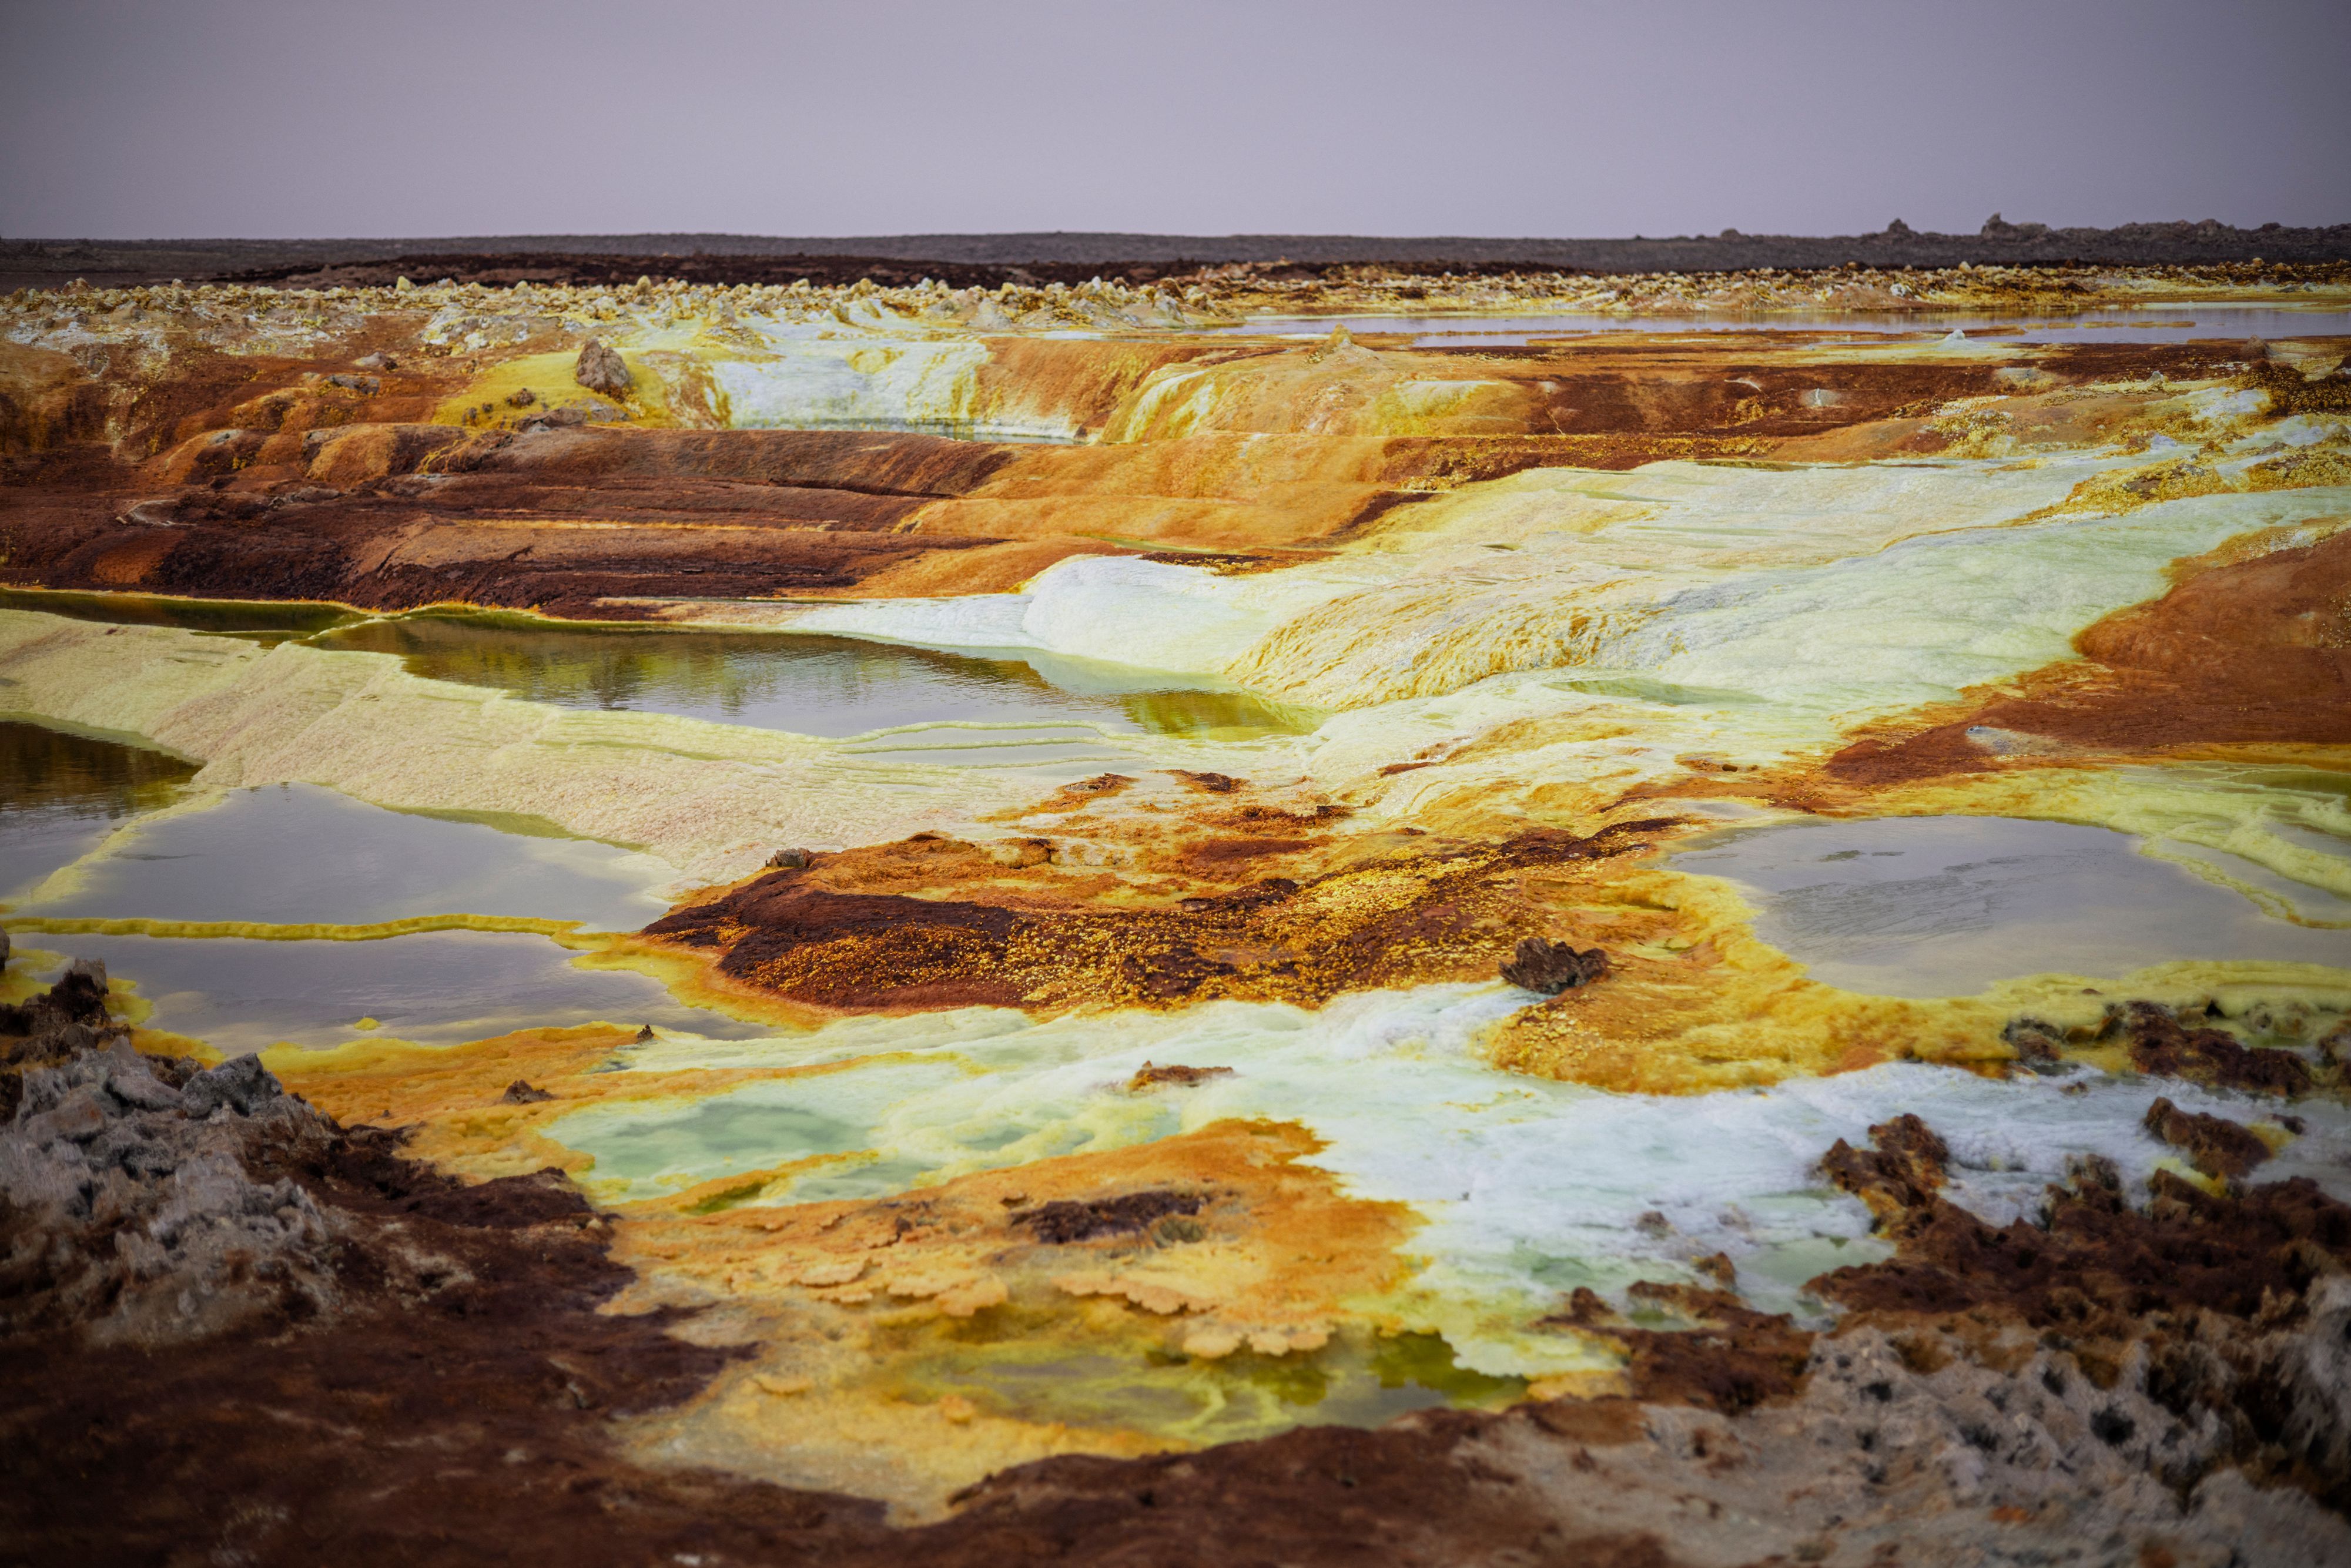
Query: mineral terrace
{"points": [[1246, 918]]}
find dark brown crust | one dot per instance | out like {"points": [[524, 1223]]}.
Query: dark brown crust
{"points": [[1898, 1177], [1733, 1359], [787, 932], [2097, 1266], [1321, 1497], [2161, 1045], [1065, 1221], [2213, 1145], [736, 514]]}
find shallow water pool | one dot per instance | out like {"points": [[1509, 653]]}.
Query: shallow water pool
{"points": [[62, 794], [297, 854], [1936, 906], [442, 987], [808, 685]]}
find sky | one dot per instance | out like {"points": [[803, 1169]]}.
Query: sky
{"points": [[282, 118]]}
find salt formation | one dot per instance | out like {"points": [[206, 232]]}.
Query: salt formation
{"points": [[1502, 898]]}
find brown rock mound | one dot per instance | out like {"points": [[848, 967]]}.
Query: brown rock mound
{"points": [[2095, 1264], [1065, 1221], [1733, 1358], [1551, 968], [2224, 1312], [602, 370], [1898, 1178], [804, 934], [1151, 1076], [2214, 1145], [2160, 1045]]}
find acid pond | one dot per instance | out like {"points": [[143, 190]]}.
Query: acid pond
{"points": [[246, 918], [1936, 906], [62, 794], [294, 854], [805, 683]]}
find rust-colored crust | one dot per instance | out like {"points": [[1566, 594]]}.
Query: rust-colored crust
{"points": [[1727, 1356], [259, 476], [841, 934], [2096, 1268], [2240, 653]]}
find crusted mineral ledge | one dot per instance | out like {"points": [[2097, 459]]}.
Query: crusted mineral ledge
{"points": [[391, 449]]}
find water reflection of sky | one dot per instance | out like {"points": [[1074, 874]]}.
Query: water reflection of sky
{"points": [[295, 854], [1930, 906], [808, 685], [442, 987], [61, 793], [298, 855]]}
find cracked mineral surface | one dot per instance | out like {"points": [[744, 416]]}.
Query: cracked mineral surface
{"points": [[1255, 914]]}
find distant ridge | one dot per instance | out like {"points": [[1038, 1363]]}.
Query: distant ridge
{"points": [[45, 263]]}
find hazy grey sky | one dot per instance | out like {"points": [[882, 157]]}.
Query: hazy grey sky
{"points": [[124, 119]]}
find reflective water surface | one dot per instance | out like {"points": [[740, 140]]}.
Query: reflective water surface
{"points": [[61, 793], [1931, 906], [808, 685], [442, 987], [295, 854]]}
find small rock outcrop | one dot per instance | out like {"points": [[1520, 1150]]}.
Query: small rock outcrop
{"points": [[52, 1028], [1066, 1220], [126, 1206], [1149, 1076], [2162, 1045], [602, 370], [1551, 968], [2151, 1348], [2213, 1145]]}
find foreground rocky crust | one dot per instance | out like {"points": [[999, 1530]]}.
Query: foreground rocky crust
{"points": [[235, 1329]]}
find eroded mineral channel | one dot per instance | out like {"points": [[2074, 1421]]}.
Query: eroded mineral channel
{"points": [[1237, 916]]}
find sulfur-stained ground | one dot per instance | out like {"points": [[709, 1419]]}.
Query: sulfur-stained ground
{"points": [[1086, 1117]]}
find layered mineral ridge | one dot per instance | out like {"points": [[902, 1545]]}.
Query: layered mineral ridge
{"points": [[1258, 916]]}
